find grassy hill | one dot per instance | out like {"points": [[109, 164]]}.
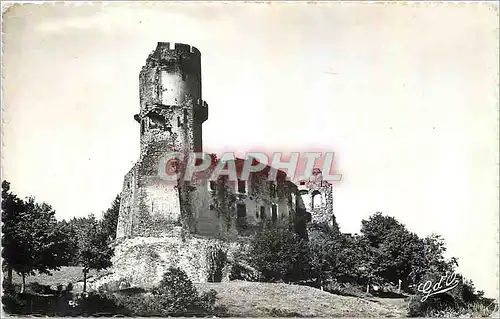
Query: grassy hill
{"points": [[252, 299]]}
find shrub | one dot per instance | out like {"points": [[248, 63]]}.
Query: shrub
{"points": [[13, 303], [175, 293], [94, 303], [440, 302], [141, 304], [41, 289], [174, 296], [239, 271]]}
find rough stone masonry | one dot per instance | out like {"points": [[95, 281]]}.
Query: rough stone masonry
{"points": [[194, 225]]}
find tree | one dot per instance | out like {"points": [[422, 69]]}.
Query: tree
{"points": [[326, 254], [377, 228], [94, 251], [362, 261], [430, 259], [401, 254], [12, 209], [110, 218], [397, 249], [32, 238], [280, 255]]}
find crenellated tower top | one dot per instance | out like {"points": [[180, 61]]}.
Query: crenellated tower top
{"points": [[170, 97]]}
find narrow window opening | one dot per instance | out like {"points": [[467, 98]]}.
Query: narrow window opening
{"points": [[316, 199], [274, 213], [242, 187], [179, 121], [212, 185], [142, 127], [272, 190], [302, 183]]}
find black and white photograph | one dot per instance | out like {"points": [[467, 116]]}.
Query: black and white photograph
{"points": [[250, 159]]}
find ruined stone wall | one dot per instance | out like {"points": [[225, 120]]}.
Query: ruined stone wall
{"points": [[142, 261], [317, 198], [127, 201], [233, 213]]}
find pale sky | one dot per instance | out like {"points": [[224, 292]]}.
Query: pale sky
{"points": [[406, 95]]}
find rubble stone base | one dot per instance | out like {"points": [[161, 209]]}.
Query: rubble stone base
{"points": [[142, 261]]}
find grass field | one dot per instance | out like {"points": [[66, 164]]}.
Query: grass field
{"points": [[61, 277], [255, 299]]}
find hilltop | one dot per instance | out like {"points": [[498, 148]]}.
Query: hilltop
{"points": [[257, 299]]}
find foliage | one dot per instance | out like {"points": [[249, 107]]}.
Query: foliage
{"points": [[174, 296], [109, 219], [94, 251], [444, 305], [32, 239], [217, 259], [338, 258], [66, 304], [400, 254], [177, 291], [242, 271], [13, 303], [326, 255], [280, 255]]}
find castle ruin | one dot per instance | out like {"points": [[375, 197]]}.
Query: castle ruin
{"points": [[183, 224]]}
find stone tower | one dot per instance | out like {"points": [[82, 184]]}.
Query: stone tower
{"points": [[172, 110], [171, 115]]}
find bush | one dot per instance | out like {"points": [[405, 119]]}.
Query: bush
{"points": [[41, 289], [97, 303], [13, 303], [239, 271], [34, 304], [436, 303], [174, 296], [175, 293], [447, 305]]}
